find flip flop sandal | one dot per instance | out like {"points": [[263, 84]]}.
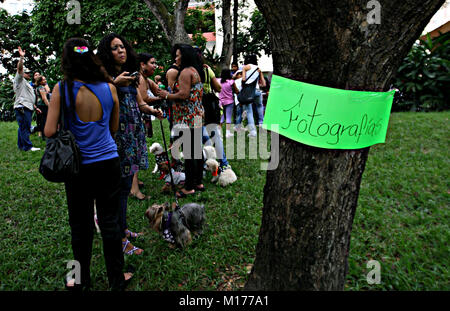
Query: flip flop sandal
{"points": [[132, 235], [130, 252], [180, 194]]}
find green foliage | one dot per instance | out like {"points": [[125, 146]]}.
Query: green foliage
{"points": [[132, 19], [424, 76], [199, 40], [6, 99], [255, 39], [200, 20], [213, 60], [197, 22], [15, 32]]}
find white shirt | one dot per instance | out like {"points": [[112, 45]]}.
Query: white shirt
{"points": [[25, 95], [250, 72], [238, 83]]}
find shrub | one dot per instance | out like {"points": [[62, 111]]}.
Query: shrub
{"points": [[6, 99], [423, 78]]}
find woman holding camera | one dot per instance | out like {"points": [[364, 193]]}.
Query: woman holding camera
{"points": [[119, 60]]}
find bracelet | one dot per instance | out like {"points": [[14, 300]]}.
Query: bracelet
{"points": [[167, 95]]}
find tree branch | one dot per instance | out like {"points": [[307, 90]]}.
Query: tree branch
{"points": [[162, 15], [172, 24]]}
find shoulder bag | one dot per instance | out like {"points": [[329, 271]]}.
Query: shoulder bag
{"points": [[210, 104], [247, 93], [62, 157]]}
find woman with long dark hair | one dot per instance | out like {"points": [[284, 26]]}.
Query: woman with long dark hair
{"points": [[42, 103], [121, 63], [147, 88], [188, 114], [92, 115]]}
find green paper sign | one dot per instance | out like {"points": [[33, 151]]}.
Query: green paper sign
{"points": [[326, 117]]}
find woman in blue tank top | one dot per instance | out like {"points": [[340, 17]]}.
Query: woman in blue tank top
{"points": [[92, 116]]}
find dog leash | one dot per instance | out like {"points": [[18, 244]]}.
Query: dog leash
{"points": [[170, 166]]}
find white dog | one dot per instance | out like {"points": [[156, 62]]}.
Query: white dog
{"points": [[157, 150], [224, 178], [209, 152]]}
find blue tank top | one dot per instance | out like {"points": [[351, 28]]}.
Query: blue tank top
{"points": [[94, 138]]}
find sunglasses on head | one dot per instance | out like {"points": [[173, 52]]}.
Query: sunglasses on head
{"points": [[115, 47]]}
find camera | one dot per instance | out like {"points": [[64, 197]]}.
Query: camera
{"points": [[134, 74]]}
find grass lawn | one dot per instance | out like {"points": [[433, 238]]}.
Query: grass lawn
{"points": [[402, 220]]}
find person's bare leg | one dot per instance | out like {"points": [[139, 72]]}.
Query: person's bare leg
{"points": [[135, 191]]}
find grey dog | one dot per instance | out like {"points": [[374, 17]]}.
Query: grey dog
{"points": [[177, 226]]}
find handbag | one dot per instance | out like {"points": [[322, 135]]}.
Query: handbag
{"points": [[211, 105], [61, 160], [247, 93]]}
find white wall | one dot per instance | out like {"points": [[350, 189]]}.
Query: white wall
{"points": [[17, 6], [441, 17]]}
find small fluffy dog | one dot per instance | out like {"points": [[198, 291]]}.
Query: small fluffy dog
{"points": [[223, 178], [178, 177], [209, 152], [158, 151], [162, 165], [179, 225]]}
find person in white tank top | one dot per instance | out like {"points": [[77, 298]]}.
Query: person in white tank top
{"points": [[247, 78]]}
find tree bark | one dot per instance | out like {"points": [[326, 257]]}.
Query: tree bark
{"points": [[172, 24], [310, 199], [227, 47], [235, 30]]}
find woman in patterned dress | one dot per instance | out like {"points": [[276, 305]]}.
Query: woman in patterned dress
{"points": [[188, 115], [120, 62]]}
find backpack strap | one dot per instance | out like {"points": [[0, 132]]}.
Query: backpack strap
{"points": [[62, 100], [257, 68]]}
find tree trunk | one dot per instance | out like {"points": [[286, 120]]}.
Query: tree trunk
{"points": [[172, 24], [310, 199], [235, 30], [227, 47]]}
